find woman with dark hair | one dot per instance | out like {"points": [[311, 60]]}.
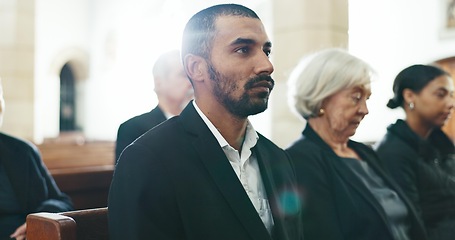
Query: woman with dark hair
{"points": [[417, 152]]}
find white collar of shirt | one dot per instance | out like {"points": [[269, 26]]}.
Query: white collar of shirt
{"points": [[168, 115], [251, 135]]}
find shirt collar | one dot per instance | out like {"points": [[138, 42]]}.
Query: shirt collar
{"points": [[168, 115], [251, 135]]}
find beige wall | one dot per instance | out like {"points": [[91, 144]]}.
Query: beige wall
{"points": [[17, 51], [301, 27], [76, 31]]}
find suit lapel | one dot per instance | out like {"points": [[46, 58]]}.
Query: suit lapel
{"points": [[219, 168], [270, 186]]}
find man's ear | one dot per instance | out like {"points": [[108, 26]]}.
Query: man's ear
{"points": [[195, 67]]}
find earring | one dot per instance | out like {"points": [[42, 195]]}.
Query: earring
{"points": [[411, 105], [321, 112]]}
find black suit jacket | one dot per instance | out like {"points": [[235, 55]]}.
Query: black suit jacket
{"points": [[175, 182], [34, 188], [338, 205], [425, 170], [135, 127]]}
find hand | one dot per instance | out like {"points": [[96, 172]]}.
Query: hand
{"points": [[19, 234]]}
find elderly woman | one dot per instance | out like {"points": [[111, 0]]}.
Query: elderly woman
{"points": [[418, 154], [348, 194]]}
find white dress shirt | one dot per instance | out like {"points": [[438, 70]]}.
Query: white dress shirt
{"points": [[246, 167]]}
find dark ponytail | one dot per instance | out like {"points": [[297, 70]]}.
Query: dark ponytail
{"points": [[415, 78]]}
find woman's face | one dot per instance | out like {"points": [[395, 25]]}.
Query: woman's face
{"points": [[345, 110], [434, 104]]}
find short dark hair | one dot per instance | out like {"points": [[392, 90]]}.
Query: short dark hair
{"points": [[415, 78], [199, 32]]}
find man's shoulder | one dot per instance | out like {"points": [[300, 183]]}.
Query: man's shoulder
{"points": [[140, 117], [16, 144], [167, 130], [14, 140], [148, 119]]}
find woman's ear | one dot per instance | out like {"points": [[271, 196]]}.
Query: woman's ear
{"points": [[408, 96], [195, 67]]}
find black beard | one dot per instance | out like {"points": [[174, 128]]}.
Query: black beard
{"points": [[245, 106]]}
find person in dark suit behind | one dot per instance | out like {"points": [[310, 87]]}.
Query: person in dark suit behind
{"points": [[25, 184], [418, 154], [173, 91], [207, 174], [348, 194]]}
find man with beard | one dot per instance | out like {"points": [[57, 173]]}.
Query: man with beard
{"points": [[207, 174]]}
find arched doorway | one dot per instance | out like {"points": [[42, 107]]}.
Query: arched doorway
{"points": [[67, 100]]}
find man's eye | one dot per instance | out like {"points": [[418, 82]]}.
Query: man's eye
{"points": [[267, 52], [242, 50]]}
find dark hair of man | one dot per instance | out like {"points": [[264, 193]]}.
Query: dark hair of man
{"points": [[200, 30], [414, 78]]}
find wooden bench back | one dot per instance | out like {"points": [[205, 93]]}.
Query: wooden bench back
{"points": [[82, 169], [73, 155], [87, 224], [87, 187]]}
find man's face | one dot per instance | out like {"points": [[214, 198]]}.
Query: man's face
{"points": [[239, 66]]}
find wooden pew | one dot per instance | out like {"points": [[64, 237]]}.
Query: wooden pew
{"points": [[89, 224], [82, 169], [58, 155], [88, 187]]}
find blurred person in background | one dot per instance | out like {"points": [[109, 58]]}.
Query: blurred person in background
{"points": [[25, 184], [173, 90], [418, 154]]}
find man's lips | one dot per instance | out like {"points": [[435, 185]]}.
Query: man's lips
{"points": [[262, 81], [263, 84]]}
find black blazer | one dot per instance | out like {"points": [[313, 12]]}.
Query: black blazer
{"points": [[135, 127], [34, 188], [175, 182], [338, 205], [425, 170]]}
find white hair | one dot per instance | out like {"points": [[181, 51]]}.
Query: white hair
{"points": [[164, 65], [321, 75]]}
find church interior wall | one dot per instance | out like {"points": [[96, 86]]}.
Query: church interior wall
{"points": [[116, 43], [392, 35]]}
